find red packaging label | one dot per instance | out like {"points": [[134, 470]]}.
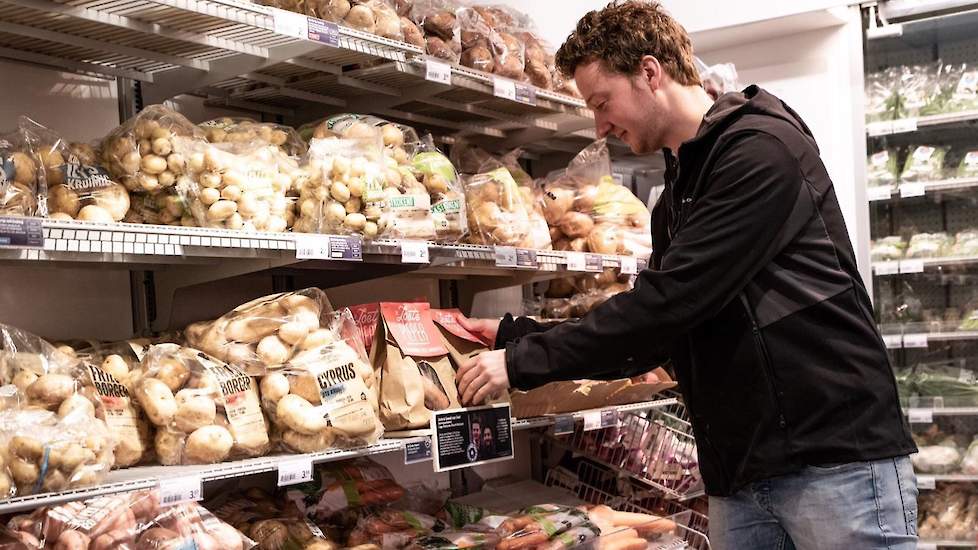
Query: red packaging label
{"points": [[366, 317], [448, 319], [411, 327]]}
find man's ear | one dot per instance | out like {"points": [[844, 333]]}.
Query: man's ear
{"points": [[651, 72]]}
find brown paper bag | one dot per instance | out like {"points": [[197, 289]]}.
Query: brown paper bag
{"points": [[416, 375], [462, 345]]}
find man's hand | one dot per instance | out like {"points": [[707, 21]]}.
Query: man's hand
{"points": [[484, 329], [483, 377]]}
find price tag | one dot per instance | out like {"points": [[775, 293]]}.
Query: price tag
{"points": [[592, 421], [563, 425], [414, 252], [903, 125], [21, 232], [609, 418], [926, 483], [309, 246], [290, 24], [915, 340], [575, 261], [505, 256], [886, 268], [527, 258], [921, 416], [879, 192], [295, 471], [912, 266], [593, 263], [893, 341], [526, 94], [880, 128], [926, 546], [915, 189], [345, 248], [966, 376], [629, 266], [177, 490], [417, 451], [324, 32], [504, 88], [437, 71]]}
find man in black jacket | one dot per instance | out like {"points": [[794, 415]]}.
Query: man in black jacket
{"points": [[754, 295]]}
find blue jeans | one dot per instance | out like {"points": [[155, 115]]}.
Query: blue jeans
{"points": [[861, 505]]}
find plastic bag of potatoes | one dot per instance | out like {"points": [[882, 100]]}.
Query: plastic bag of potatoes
{"points": [[353, 126], [247, 131], [433, 169], [42, 452], [441, 30], [241, 186], [343, 187], [20, 176], [539, 57], [475, 32], [125, 521], [204, 410], [265, 332], [538, 236], [76, 187], [325, 396], [264, 520], [164, 207], [587, 211], [140, 154], [498, 212], [49, 378]]}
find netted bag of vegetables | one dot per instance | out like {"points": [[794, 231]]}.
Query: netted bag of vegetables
{"points": [[325, 396], [44, 452], [248, 131], [238, 185], [588, 211], [267, 331], [204, 410], [76, 186], [20, 176]]}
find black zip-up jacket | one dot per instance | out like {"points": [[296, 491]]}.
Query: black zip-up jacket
{"points": [[754, 295]]}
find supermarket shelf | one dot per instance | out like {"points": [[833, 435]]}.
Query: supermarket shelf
{"points": [[243, 55], [948, 478], [936, 408], [550, 420], [144, 477], [917, 336], [921, 265], [923, 544], [910, 190], [929, 122]]}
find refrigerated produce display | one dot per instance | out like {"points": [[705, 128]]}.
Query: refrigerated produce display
{"points": [[920, 178]]}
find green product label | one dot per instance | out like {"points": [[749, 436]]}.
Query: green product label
{"points": [[406, 201], [447, 207], [432, 162]]}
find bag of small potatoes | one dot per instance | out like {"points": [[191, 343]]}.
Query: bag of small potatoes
{"points": [[325, 396], [20, 176], [77, 188], [416, 375], [433, 169], [588, 212], [238, 185], [205, 411], [246, 130], [264, 520], [41, 451], [497, 209]]}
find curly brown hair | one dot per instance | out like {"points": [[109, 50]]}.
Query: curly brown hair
{"points": [[621, 33]]}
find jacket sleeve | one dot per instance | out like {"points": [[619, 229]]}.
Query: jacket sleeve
{"points": [[754, 205]]}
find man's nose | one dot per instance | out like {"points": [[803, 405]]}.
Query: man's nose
{"points": [[602, 126]]}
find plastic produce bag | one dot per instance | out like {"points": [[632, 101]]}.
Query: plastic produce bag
{"points": [[539, 56], [338, 486], [936, 459], [204, 411], [21, 176], [475, 35], [267, 331], [928, 245], [433, 169], [965, 95], [588, 211], [882, 168], [887, 248], [497, 212], [965, 243], [262, 519], [133, 520], [968, 168], [353, 126], [508, 50], [391, 527], [237, 186], [247, 131], [325, 396], [44, 452], [924, 163], [344, 186], [442, 36]]}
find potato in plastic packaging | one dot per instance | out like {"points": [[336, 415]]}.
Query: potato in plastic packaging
{"points": [[21, 176], [497, 211], [49, 377], [436, 173], [265, 332], [246, 130], [587, 211], [386, 21], [264, 521], [205, 411], [437, 19], [242, 186], [325, 396], [44, 452]]}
